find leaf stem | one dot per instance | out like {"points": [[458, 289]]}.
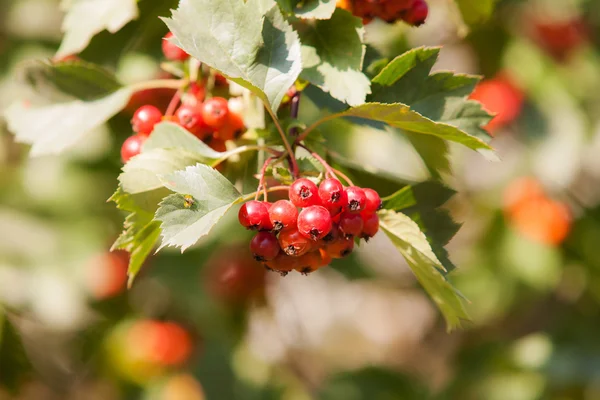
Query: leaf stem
{"points": [[294, 109], [308, 130], [261, 181], [288, 148], [344, 176], [330, 171], [173, 103], [243, 149], [158, 84], [250, 196]]}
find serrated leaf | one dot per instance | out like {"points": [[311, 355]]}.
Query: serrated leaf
{"points": [[475, 11], [413, 245], [86, 18], [401, 116], [141, 173], [249, 42], [80, 79], [54, 128], [333, 53], [168, 135], [433, 152], [202, 197], [441, 96], [141, 232]]}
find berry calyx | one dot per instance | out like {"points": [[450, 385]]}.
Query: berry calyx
{"points": [[264, 246], [417, 13], [283, 215], [293, 243], [132, 146], [254, 215], [332, 194], [374, 202], [145, 118], [172, 52], [190, 117], [314, 222], [357, 199], [215, 112], [351, 224], [370, 225], [304, 193]]}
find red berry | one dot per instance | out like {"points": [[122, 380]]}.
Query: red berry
{"points": [[217, 145], [417, 14], [282, 263], [314, 222], [357, 199], [198, 90], [340, 247], [351, 224], [370, 225], [268, 204], [254, 215], [312, 261], [215, 112], [190, 117], [283, 214], [233, 127], [373, 201], [264, 246], [171, 51], [145, 118], [293, 243], [304, 193], [132, 146], [332, 194]]}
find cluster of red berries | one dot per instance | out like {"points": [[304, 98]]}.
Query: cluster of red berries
{"points": [[413, 12], [214, 120], [331, 216]]}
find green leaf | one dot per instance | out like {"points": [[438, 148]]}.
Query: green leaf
{"points": [[441, 96], [332, 55], [86, 18], [318, 9], [16, 366], [401, 116], [249, 42], [140, 232], [80, 79], [414, 247], [203, 197], [54, 128], [475, 11], [168, 135], [433, 152], [142, 172]]}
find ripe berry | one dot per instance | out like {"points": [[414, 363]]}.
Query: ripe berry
{"points": [[282, 264], [332, 194], [197, 90], [417, 14], [254, 215], [215, 112], [357, 199], [314, 222], [264, 246], [190, 117], [293, 243], [312, 261], [268, 204], [351, 224], [283, 214], [217, 145], [370, 225], [171, 51], [132, 146], [145, 118], [232, 128], [340, 247], [304, 193], [373, 201]]}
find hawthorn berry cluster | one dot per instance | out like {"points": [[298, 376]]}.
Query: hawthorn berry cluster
{"points": [[330, 218], [413, 12], [214, 120]]}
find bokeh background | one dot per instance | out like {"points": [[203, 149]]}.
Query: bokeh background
{"points": [[210, 324]]}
